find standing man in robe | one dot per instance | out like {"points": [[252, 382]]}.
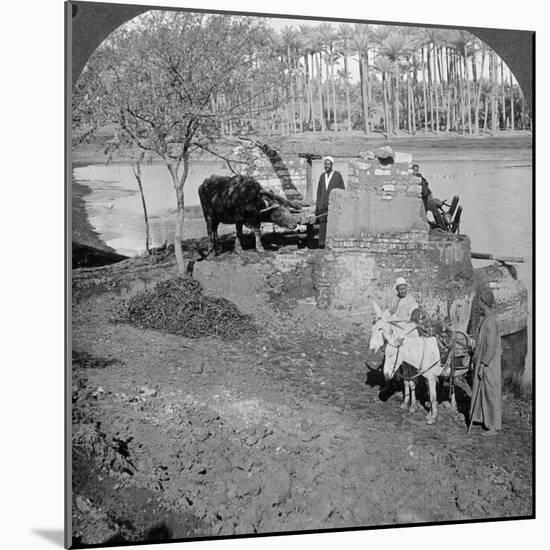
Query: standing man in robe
{"points": [[330, 179], [487, 408]]}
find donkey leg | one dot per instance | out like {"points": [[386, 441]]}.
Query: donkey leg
{"points": [[406, 395], [453, 397], [432, 415], [412, 386]]}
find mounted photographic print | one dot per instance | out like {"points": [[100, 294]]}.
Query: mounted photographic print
{"points": [[301, 278]]}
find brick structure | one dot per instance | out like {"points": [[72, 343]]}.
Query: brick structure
{"points": [[377, 231]]}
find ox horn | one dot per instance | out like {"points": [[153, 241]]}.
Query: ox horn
{"points": [[282, 200], [272, 207]]}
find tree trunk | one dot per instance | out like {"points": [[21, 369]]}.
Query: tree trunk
{"points": [[179, 182], [348, 101], [494, 107], [291, 84], [137, 174], [396, 101], [366, 94], [430, 84], [502, 94], [425, 99], [478, 98], [334, 103], [466, 76], [448, 127], [436, 107], [413, 108], [409, 121], [307, 83], [386, 111], [512, 122], [363, 93], [462, 102], [320, 92]]}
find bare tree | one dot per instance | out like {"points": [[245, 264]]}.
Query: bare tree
{"points": [[174, 81]]}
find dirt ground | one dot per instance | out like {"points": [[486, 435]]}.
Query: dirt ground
{"points": [[284, 431]]}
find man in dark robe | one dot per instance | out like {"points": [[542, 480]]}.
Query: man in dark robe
{"points": [[330, 179], [426, 191], [487, 407]]}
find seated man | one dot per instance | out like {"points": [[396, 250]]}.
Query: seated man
{"points": [[426, 191], [404, 303], [431, 204]]}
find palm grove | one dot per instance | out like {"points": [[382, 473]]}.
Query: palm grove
{"points": [[175, 85], [409, 80]]}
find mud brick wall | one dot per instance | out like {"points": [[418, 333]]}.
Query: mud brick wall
{"points": [[377, 231], [356, 213], [511, 298], [252, 280], [378, 199], [354, 272]]}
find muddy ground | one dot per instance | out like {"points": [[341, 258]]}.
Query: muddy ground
{"points": [[284, 431]]}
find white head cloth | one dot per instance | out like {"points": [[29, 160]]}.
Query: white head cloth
{"points": [[401, 281]]}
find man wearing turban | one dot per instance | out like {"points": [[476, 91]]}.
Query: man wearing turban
{"points": [[330, 179], [486, 409]]}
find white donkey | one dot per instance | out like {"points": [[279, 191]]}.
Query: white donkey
{"points": [[405, 345]]}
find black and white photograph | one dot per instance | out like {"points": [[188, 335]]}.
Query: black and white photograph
{"points": [[300, 273]]}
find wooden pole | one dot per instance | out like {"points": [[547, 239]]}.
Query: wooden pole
{"points": [[309, 182], [486, 256]]}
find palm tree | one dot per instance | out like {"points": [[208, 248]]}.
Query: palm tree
{"points": [[363, 36], [328, 38], [396, 47], [464, 47], [307, 50], [345, 37], [289, 39], [386, 67], [477, 85], [315, 44]]}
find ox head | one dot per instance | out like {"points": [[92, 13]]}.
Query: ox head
{"points": [[383, 335], [278, 210]]}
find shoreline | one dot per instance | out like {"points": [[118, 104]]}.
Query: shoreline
{"points": [[82, 232], [341, 144], [338, 144]]}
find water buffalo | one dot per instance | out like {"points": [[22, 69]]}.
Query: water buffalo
{"points": [[243, 201]]}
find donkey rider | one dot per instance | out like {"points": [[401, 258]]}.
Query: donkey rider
{"points": [[405, 309], [404, 303]]}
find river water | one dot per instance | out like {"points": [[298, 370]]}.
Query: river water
{"points": [[494, 187]]}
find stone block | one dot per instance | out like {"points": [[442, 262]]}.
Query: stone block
{"points": [[364, 212]]}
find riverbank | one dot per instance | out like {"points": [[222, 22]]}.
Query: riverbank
{"points": [[83, 232], [284, 430], [505, 145], [339, 144]]}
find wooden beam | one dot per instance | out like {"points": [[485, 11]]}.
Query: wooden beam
{"points": [[498, 258]]}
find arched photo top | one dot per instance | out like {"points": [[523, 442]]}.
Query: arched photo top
{"points": [[91, 23]]}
